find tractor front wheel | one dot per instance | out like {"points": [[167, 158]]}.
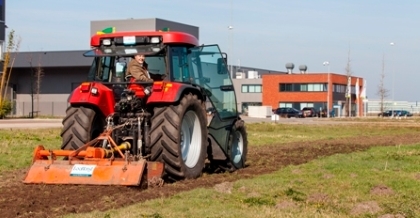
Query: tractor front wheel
{"points": [[238, 145], [179, 138], [237, 150], [81, 125]]}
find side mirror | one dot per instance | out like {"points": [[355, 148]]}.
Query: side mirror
{"points": [[221, 66]]}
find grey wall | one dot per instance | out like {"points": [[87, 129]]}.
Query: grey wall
{"points": [[174, 26], [53, 81], [51, 59], [142, 24], [246, 97], [56, 86]]}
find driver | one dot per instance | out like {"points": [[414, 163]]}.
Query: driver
{"points": [[138, 69]]}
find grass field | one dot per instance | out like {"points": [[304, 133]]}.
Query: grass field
{"points": [[16, 146], [379, 181]]}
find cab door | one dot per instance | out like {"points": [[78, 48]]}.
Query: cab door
{"points": [[208, 70]]}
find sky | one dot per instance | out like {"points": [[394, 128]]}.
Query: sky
{"points": [[266, 34]]}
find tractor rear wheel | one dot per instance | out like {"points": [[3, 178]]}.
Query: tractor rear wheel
{"points": [[81, 125], [178, 138]]}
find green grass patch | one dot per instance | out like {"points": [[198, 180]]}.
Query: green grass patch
{"points": [[272, 133], [17, 146]]}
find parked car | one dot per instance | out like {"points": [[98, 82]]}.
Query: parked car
{"points": [[288, 112], [309, 112], [405, 113], [397, 113], [323, 113], [386, 113]]}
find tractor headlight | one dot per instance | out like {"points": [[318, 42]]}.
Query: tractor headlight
{"points": [[94, 91], [155, 49], [154, 40], [106, 41]]}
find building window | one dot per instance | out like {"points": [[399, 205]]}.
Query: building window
{"points": [[306, 104], [303, 87], [251, 88], [244, 88], [315, 87], [339, 88], [285, 87], [285, 104]]}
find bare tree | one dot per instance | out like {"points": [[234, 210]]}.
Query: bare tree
{"points": [[39, 73], [12, 46], [382, 92], [349, 72]]}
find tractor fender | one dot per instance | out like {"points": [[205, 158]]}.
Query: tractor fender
{"points": [[168, 92], [102, 98]]}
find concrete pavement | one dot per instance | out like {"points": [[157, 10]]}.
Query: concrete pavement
{"points": [[30, 123]]}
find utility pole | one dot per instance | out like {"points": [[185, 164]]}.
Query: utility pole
{"points": [[393, 84], [32, 90], [230, 27], [230, 60], [327, 63]]}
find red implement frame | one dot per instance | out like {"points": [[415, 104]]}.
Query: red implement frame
{"points": [[92, 166]]}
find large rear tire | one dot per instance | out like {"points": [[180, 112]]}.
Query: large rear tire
{"points": [[178, 138], [81, 125]]}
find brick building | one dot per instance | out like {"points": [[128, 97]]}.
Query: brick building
{"points": [[311, 90]]}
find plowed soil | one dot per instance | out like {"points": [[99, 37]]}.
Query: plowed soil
{"points": [[20, 200]]}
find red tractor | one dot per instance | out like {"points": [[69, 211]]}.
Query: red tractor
{"points": [[118, 131]]}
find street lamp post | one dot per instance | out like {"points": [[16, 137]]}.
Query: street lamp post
{"points": [[326, 63], [393, 84], [230, 50]]}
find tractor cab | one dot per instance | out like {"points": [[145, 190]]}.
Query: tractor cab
{"points": [[171, 57]]}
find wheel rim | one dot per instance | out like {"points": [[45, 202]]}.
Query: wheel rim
{"points": [[190, 139], [237, 147]]}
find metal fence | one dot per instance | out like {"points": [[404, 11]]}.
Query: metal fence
{"points": [[47, 109], [374, 106]]}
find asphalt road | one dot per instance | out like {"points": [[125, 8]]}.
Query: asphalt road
{"points": [[30, 123]]}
